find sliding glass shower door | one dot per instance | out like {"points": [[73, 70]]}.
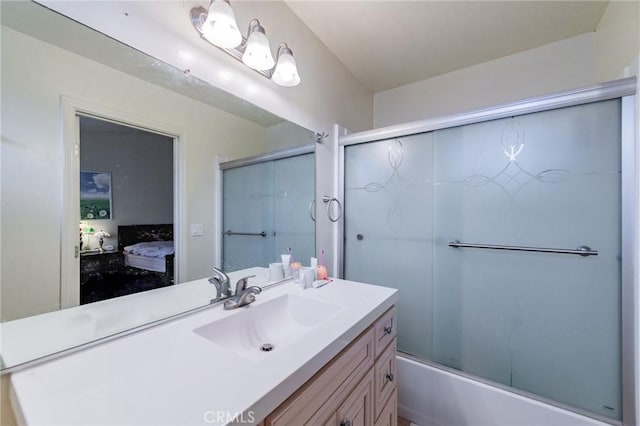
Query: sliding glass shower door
{"points": [[424, 214], [266, 211]]}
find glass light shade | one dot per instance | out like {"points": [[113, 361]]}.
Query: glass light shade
{"points": [[257, 54], [220, 27], [286, 72]]}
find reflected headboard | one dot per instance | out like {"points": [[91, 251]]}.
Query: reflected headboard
{"points": [[131, 234]]}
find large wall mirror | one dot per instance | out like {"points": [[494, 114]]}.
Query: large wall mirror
{"points": [[136, 145]]}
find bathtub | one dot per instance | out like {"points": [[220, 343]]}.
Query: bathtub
{"points": [[430, 396]]}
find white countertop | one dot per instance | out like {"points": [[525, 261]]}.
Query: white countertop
{"points": [[30, 338], [27, 339], [169, 375]]}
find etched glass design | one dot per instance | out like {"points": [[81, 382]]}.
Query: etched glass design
{"points": [[545, 323]]}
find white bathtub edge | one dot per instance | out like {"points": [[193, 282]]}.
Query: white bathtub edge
{"points": [[430, 396]]}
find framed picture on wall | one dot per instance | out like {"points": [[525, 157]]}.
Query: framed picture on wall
{"points": [[95, 195]]}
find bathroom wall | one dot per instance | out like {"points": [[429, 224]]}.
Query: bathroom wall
{"points": [[284, 135], [141, 167], [617, 41], [551, 68], [34, 75]]}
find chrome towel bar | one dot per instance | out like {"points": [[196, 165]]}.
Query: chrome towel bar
{"points": [[580, 251], [251, 234]]}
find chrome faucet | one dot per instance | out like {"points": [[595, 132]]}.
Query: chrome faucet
{"points": [[244, 295], [222, 283]]}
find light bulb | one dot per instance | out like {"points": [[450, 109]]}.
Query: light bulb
{"points": [[286, 72], [257, 54], [220, 27]]}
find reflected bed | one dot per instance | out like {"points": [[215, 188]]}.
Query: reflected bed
{"points": [[127, 271], [148, 247]]}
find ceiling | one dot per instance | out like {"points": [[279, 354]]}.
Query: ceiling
{"points": [[387, 44]]}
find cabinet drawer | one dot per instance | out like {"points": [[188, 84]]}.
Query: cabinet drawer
{"points": [[389, 415], [314, 401], [385, 377], [385, 329]]}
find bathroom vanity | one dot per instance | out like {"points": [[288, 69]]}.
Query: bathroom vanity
{"points": [[356, 388], [330, 359]]}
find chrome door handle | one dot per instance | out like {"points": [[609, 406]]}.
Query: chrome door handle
{"points": [[312, 208]]}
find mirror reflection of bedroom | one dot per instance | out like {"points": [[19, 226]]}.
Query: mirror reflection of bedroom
{"points": [[126, 210]]}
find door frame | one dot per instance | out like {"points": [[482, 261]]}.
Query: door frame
{"points": [[71, 109]]}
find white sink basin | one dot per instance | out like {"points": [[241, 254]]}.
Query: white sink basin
{"points": [[278, 322]]}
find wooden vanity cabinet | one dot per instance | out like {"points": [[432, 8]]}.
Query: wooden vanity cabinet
{"points": [[356, 388], [389, 414]]}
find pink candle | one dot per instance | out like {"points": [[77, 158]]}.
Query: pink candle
{"points": [[322, 272]]}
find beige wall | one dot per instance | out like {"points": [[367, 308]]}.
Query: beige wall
{"points": [[617, 41], [34, 75], [285, 134], [554, 67]]}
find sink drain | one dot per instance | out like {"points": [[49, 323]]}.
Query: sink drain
{"points": [[267, 347]]}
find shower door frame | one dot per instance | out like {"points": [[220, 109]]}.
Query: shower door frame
{"points": [[625, 90]]}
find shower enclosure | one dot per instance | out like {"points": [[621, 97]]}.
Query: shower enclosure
{"points": [[504, 239], [266, 211]]}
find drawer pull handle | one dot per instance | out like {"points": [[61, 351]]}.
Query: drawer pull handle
{"points": [[387, 330], [389, 377], [345, 423]]}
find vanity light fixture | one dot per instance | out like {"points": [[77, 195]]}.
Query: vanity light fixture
{"points": [[218, 26]]}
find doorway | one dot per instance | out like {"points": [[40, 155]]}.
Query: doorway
{"points": [[126, 210], [73, 111]]}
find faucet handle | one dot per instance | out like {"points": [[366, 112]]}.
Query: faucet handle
{"points": [[217, 272], [241, 285]]}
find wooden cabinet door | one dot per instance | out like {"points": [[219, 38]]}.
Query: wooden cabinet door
{"points": [[317, 400], [357, 410], [384, 379], [389, 414]]}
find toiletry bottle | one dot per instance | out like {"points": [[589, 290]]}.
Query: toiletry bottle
{"points": [[322, 269], [286, 264], [314, 265]]}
